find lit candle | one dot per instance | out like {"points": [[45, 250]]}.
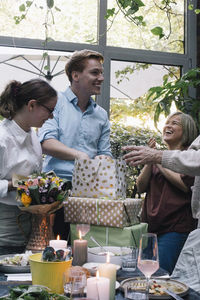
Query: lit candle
{"points": [[80, 251], [58, 244], [98, 288], [108, 270]]}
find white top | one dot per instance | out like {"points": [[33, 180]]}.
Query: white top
{"points": [[20, 153]]}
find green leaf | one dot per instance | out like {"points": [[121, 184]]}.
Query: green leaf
{"points": [[46, 68], [45, 54], [125, 3], [197, 11], [90, 40], [34, 193], [130, 12], [190, 6], [57, 8], [29, 3], [139, 3], [49, 39], [139, 20], [109, 13], [50, 3], [22, 7], [158, 31]]}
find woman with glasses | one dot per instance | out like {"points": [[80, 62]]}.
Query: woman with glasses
{"points": [[23, 106]]}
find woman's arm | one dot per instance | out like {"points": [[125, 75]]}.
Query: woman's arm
{"points": [[145, 175], [143, 179], [174, 178]]}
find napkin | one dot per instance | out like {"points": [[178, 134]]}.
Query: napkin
{"points": [[19, 277]]}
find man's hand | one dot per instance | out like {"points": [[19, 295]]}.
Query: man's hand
{"points": [[141, 155], [81, 155]]}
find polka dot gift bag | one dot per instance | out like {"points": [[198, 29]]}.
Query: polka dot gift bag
{"points": [[99, 178]]}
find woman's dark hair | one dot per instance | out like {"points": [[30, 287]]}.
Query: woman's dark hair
{"points": [[17, 94]]}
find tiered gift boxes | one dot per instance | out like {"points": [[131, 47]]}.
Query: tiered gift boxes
{"points": [[103, 212], [99, 198]]}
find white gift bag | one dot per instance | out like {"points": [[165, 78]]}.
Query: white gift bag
{"points": [[99, 178]]}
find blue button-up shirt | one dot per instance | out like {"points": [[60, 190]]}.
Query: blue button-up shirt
{"points": [[87, 131]]}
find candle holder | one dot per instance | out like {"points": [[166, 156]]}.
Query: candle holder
{"points": [[42, 220]]}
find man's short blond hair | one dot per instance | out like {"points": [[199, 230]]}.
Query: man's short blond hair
{"points": [[77, 61]]}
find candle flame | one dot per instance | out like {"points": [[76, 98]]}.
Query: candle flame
{"points": [[108, 257], [80, 235], [58, 237], [97, 275]]}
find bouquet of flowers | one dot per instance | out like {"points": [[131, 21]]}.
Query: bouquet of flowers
{"points": [[41, 189]]}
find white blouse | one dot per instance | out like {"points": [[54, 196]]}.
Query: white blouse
{"points": [[20, 153]]}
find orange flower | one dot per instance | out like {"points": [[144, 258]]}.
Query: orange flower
{"points": [[25, 199]]}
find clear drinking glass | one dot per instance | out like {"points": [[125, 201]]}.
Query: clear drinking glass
{"points": [[74, 282], [129, 256], [148, 260]]}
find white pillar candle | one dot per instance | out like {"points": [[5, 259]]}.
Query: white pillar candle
{"points": [[109, 270], [98, 288], [58, 244], [80, 251]]}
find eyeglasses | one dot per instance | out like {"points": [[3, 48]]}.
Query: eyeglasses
{"points": [[47, 108]]}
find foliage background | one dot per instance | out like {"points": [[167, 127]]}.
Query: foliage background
{"points": [[122, 136]]}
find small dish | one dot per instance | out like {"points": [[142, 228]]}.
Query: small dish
{"points": [[95, 254], [11, 268], [177, 287]]}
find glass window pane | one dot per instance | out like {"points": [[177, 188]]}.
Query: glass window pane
{"points": [[75, 22], [171, 21], [130, 83], [25, 64]]}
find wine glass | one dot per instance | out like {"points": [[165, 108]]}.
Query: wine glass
{"points": [[84, 226], [148, 260]]}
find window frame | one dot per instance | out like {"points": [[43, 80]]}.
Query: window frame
{"points": [[185, 61]]}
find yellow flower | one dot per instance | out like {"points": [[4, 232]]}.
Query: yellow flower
{"points": [[56, 180], [25, 199]]}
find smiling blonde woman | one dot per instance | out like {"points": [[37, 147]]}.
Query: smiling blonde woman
{"points": [[167, 206]]}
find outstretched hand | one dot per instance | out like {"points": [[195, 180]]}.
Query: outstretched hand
{"points": [[141, 155]]}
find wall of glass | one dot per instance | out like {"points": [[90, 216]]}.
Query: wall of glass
{"points": [[158, 34]]}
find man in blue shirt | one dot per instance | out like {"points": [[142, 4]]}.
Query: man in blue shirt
{"points": [[80, 127]]}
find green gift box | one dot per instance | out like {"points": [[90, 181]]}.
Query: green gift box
{"points": [[109, 236], [103, 212]]}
